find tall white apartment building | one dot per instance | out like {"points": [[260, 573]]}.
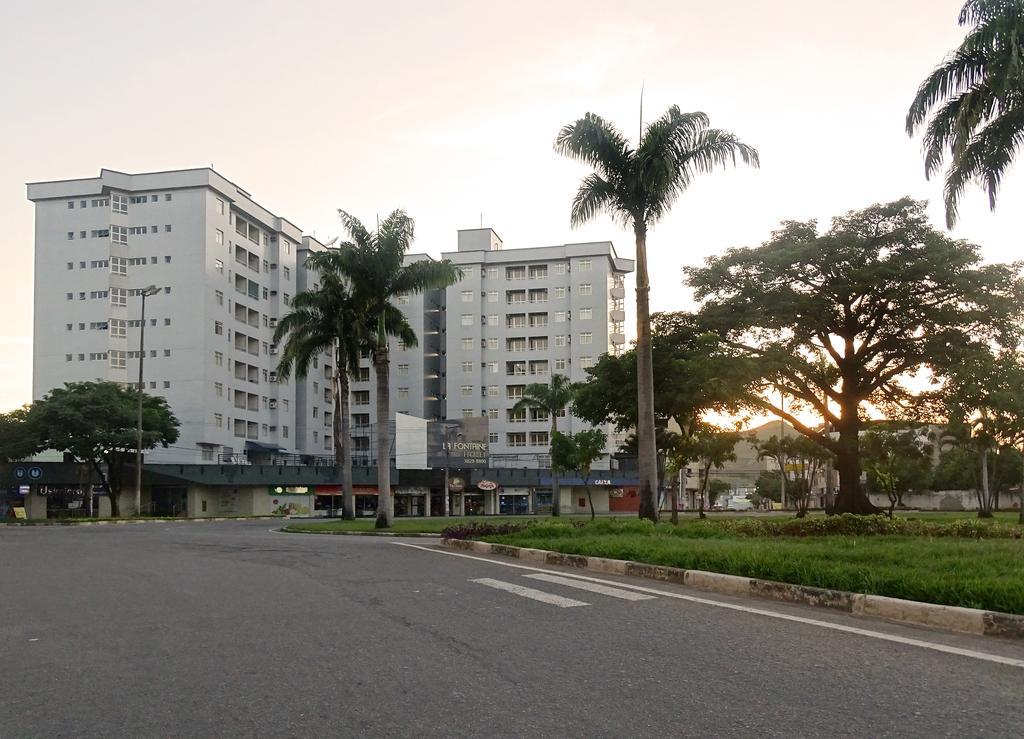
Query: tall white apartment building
{"points": [[226, 268], [519, 316]]}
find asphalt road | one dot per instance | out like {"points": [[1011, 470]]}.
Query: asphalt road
{"points": [[230, 629]]}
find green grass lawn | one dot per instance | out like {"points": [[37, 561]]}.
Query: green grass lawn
{"points": [[1001, 516], [436, 524], [975, 573]]}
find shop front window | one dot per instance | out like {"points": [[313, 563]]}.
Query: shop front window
{"points": [[513, 505], [473, 504]]}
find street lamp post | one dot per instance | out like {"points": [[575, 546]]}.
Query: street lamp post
{"points": [[782, 449], [145, 293]]}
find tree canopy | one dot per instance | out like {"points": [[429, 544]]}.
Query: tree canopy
{"points": [[95, 422], [897, 461], [984, 398], [19, 435], [694, 372], [549, 399], [841, 319], [578, 452]]}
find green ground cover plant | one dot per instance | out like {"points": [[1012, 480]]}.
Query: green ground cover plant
{"points": [[959, 563]]}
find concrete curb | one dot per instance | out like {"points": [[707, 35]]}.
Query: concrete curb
{"points": [[948, 618], [400, 534], [129, 522]]}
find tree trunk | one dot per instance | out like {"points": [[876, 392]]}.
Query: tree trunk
{"points": [[590, 499], [556, 490], [647, 453], [343, 440], [385, 501], [115, 506], [851, 497], [985, 497]]}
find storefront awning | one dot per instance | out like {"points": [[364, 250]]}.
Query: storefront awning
{"points": [[336, 490], [262, 448], [597, 481]]}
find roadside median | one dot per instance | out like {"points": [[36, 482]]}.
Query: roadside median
{"points": [[950, 618]]}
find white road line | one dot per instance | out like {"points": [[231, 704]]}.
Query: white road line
{"points": [[934, 646], [593, 587], [549, 598]]}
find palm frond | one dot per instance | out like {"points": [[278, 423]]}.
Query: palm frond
{"points": [[426, 274], [708, 150], [397, 228], [594, 141], [354, 227], [595, 195], [961, 70], [968, 103], [985, 159]]}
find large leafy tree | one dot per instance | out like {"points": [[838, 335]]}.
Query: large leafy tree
{"points": [[95, 422], [637, 186], [374, 264], [841, 319], [578, 452], [19, 435], [550, 400], [327, 320], [971, 106]]}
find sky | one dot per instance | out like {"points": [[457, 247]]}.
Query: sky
{"points": [[450, 110]]}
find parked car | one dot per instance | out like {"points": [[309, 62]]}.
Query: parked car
{"points": [[739, 504]]}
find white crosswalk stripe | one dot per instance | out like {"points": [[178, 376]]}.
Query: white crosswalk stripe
{"points": [[592, 587], [539, 595]]}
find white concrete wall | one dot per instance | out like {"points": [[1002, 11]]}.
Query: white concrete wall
{"points": [[944, 500]]}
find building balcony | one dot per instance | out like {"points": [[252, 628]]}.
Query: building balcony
{"points": [[617, 293], [617, 338], [617, 316]]}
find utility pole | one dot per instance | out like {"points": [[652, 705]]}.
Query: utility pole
{"points": [[145, 292]]}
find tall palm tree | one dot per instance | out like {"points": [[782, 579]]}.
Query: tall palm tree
{"points": [[975, 101], [374, 264], [326, 321], [552, 400], [637, 187]]}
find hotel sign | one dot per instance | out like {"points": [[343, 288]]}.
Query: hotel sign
{"points": [[458, 443]]}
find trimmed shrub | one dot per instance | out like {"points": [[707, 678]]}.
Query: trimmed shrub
{"points": [[475, 529]]}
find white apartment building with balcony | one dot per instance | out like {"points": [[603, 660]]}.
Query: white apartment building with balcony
{"points": [[226, 268], [519, 316]]}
